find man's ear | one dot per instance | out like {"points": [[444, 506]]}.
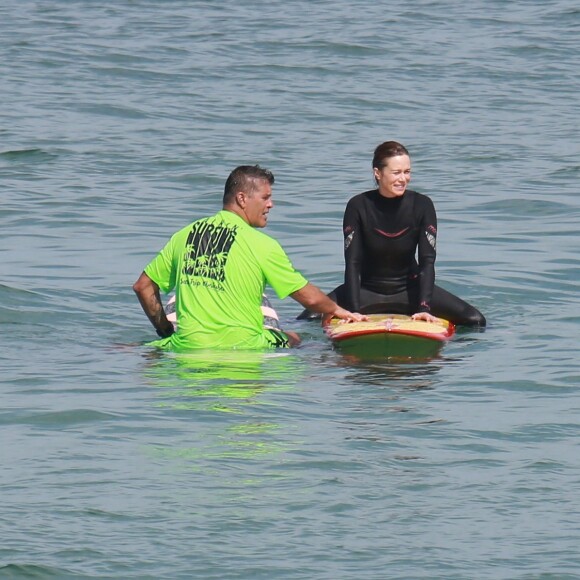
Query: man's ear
{"points": [[241, 199]]}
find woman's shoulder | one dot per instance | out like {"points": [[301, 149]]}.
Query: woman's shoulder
{"points": [[361, 198], [419, 197], [418, 193]]}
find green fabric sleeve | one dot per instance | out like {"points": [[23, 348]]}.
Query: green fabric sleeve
{"points": [[281, 274], [160, 269]]}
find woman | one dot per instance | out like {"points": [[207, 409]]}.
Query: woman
{"points": [[384, 229]]}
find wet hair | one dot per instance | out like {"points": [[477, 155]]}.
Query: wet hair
{"points": [[243, 178], [387, 150]]}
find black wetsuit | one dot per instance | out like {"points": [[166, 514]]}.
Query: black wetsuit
{"points": [[381, 238]]}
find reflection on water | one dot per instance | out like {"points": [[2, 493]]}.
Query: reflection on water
{"points": [[416, 375], [226, 392], [231, 375], [409, 373]]}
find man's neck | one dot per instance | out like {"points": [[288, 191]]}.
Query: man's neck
{"points": [[237, 210]]}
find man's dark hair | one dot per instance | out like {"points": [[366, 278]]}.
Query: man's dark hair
{"points": [[243, 178]]}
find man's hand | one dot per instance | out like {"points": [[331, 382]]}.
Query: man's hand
{"points": [[344, 315], [148, 294], [314, 299], [165, 331]]}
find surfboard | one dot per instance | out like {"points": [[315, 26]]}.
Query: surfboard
{"points": [[390, 335]]}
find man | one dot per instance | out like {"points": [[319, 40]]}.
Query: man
{"points": [[219, 267]]}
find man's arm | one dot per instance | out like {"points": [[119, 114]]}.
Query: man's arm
{"points": [[148, 294], [314, 299]]}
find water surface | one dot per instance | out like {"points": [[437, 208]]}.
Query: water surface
{"points": [[120, 123]]}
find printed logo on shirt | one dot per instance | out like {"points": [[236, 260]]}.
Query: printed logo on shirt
{"points": [[206, 252], [277, 338]]}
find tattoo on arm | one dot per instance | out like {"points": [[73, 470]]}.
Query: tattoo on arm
{"points": [[153, 307]]}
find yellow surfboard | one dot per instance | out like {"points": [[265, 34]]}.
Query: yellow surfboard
{"points": [[390, 335]]}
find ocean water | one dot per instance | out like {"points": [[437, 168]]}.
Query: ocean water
{"points": [[119, 123]]}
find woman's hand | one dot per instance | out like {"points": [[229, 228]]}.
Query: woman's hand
{"points": [[424, 316]]}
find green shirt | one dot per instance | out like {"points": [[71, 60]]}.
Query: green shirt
{"points": [[219, 267]]}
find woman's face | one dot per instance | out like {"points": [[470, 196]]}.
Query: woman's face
{"points": [[394, 176]]}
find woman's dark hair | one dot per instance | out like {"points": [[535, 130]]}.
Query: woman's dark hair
{"points": [[243, 178], [387, 150]]}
